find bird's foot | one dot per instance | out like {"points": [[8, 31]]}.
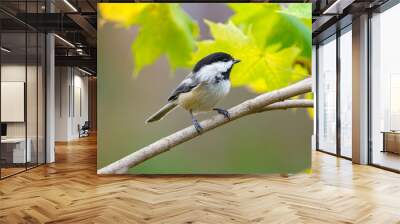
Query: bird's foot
{"points": [[196, 125], [223, 112]]}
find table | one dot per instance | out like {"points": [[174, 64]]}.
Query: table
{"points": [[391, 141], [15, 148]]}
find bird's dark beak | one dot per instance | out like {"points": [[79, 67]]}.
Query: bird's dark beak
{"points": [[235, 61]]}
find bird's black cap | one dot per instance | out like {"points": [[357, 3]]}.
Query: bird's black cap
{"points": [[209, 59]]}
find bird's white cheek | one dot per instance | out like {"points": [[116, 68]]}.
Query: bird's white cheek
{"points": [[208, 72], [228, 65]]}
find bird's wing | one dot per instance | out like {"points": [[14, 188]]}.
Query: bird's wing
{"points": [[185, 86]]}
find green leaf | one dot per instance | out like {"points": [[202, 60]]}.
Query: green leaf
{"points": [[164, 29], [299, 10], [261, 69], [122, 13], [270, 26]]}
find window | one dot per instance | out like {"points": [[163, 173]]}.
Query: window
{"points": [[327, 95], [22, 77], [346, 92], [385, 89]]}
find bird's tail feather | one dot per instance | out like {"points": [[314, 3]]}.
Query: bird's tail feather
{"points": [[162, 112]]}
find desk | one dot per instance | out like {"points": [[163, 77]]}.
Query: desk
{"points": [[391, 141], [15, 148]]}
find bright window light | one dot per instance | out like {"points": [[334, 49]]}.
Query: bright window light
{"points": [[5, 50], [65, 41], [84, 71], [70, 5]]}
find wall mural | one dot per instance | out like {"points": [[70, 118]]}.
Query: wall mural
{"points": [[204, 88]]}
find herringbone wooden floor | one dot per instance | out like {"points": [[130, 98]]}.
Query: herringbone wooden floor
{"points": [[69, 191]]}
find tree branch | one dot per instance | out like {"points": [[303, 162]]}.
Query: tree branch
{"points": [[287, 104], [255, 105]]}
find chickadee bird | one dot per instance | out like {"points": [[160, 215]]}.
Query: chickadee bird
{"points": [[207, 84]]}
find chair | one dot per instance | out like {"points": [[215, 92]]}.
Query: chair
{"points": [[84, 130]]}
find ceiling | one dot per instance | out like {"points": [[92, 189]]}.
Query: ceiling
{"points": [[331, 15], [75, 23]]}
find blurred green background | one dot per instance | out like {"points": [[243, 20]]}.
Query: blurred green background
{"points": [[271, 142]]}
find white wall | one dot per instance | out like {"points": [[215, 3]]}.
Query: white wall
{"points": [[79, 117], [33, 127], [71, 87], [62, 82], [13, 101], [12, 73]]}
